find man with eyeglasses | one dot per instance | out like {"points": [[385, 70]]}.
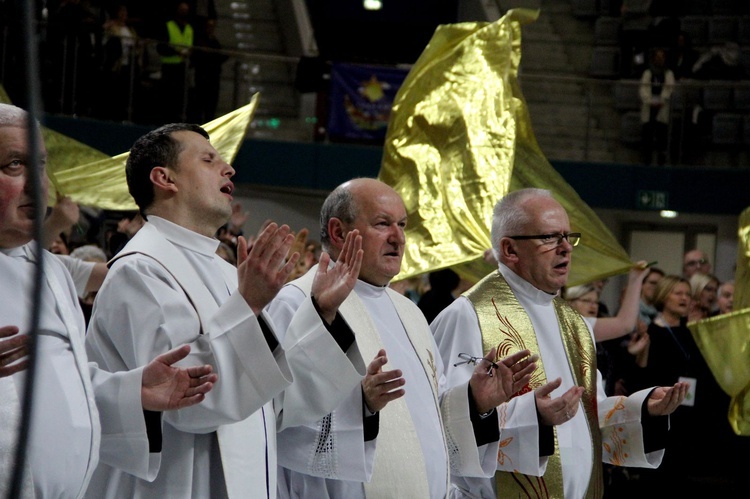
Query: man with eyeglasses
{"points": [[695, 261], [549, 448]]}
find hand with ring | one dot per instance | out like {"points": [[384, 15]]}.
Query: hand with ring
{"points": [[557, 410]]}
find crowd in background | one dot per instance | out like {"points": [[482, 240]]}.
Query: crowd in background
{"points": [[116, 59]]}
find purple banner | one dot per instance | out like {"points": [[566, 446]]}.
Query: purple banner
{"points": [[361, 100]]}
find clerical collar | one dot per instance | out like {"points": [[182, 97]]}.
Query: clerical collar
{"points": [[521, 286], [367, 290], [14, 252], [186, 238]]}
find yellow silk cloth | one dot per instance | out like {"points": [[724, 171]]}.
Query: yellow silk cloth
{"points": [[102, 183], [459, 138], [724, 340], [92, 178]]}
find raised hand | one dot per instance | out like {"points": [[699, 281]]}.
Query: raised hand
{"points": [[330, 287], [663, 400], [298, 246], [61, 218], [237, 219], [380, 387], [12, 349], [558, 410], [639, 344], [165, 387], [494, 383], [261, 271]]}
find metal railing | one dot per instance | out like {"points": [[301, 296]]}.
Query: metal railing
{"points": [[574, 118]]}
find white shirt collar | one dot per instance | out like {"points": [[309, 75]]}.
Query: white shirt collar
{"points": [[185, 237], [367, 290], [521, 286]]}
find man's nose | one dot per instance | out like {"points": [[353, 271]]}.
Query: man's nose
{"points": [[397, 235]]}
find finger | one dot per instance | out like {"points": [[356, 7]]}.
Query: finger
{"points": [[13, 343], [357, 263], [519, 383], [359, 254], [348, 250], [528, 370], [384, 377], [279, 247], [391, 385], [200, 371], [11, 356], [324, 261], [8, 331], [377, 363], [241, 250], [516, 357], [263, 239], [393, 395], [545, 390], [174, 355], [288, 268], [13, 369], [521, 365], [203, 388]]}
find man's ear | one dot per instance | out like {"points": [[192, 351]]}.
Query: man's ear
{"points": [[162, 179], [507, 250], [336, 232]]}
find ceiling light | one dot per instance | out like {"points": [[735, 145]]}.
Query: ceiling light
{"points": [[668, 214], [372, 4]]}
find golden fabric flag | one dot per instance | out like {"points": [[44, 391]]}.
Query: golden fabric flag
{"points": [[724, 340], [102, 183], [742, 272], [459, 138]]}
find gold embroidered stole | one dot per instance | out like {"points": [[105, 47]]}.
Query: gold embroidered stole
{"points": [[505, 324]]}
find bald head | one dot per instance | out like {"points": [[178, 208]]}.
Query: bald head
{"points": [[378, 213]]}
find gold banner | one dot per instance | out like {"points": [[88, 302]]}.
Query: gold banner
{"points": [[459, 138], [724, 340], [92, 178], [102, 183]]}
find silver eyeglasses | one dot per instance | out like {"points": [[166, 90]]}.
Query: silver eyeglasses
{"points": [[553, 239], [470, 359]]}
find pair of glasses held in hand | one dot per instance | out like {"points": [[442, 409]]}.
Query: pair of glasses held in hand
{"points": [[470, 359]]}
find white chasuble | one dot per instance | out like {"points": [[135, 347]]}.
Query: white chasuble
{"points": [[409, 457]]}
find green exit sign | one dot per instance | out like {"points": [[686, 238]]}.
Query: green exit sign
{"points": [[652, 200]]}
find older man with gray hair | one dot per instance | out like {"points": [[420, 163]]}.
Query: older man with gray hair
{"points": [[557, 431]]}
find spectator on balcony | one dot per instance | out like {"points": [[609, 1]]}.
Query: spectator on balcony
{"points": [[682, 57], [657, 83], [120, 62], [175, 64]]}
